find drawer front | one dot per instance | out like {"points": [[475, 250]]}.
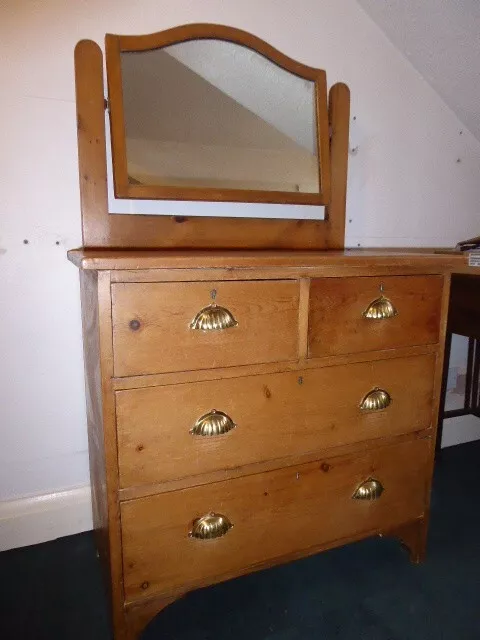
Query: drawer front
{"points": [[267, 417], [339, 321], [153, 325], [273, 514]]}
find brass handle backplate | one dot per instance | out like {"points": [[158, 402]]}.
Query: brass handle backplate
{"points": [[213, 318], [213, 423], [380, 309], [210, 526], [371, 489], [376, 400]]}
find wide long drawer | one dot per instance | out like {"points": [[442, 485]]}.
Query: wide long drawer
{"points": [[174, 431], [351, 315], [169, 543], [182, 326]]}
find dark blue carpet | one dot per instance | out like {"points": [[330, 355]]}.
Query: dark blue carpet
{"points": [[365, 591]]}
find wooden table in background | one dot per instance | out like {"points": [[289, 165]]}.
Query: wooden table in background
{"points": [[464, 320]]}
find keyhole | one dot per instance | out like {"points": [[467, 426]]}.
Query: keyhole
{"points": [[382, 288], [213, 294]]}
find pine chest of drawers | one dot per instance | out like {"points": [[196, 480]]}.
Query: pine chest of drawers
{"points": [[249, 408]]}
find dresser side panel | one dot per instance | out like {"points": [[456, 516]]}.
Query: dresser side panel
{"points": [[97, 341], [93, 392]]}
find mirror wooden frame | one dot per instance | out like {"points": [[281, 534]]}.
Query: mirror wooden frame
{"points": [[102, 228], [115, 45]]}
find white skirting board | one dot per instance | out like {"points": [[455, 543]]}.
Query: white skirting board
{"points": [[459, 430], [41, 518], [38, 519]]}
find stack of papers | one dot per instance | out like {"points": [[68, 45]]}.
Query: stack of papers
{"points": [[474, 258]]}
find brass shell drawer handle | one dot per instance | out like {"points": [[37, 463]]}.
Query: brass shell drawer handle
{"points": [[376, 400], [213, 318], [380, 309], [371, 490], [213, 423], [210, 526]]}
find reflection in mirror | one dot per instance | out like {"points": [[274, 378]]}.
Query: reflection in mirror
{"points": [[211, 113]]}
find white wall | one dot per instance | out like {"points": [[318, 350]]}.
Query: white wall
{"points": [[442, 41], [405, 187]]}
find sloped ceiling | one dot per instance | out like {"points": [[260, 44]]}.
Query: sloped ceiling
{"points": [[441, 38]]}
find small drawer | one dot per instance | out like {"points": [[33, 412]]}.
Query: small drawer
{"points": [[203, 534], [175, 431], [350, 315], [162, 327]]}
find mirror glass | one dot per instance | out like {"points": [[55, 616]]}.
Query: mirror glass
{"points": [[211, 113]]}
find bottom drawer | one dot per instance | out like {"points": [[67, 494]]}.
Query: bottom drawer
{"points": [[273, 514]]}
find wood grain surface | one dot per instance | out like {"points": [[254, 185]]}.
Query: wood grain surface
{"points": [[367, 259], [102, 435], [339, 119], [267, 331], [337, 324], [273, 514], [277, 416], [92, 155]]}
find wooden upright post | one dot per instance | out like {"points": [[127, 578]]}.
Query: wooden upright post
{"points": [[92, 160], [339, 120]]}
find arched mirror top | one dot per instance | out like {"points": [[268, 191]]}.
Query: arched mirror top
{"points": [[209, 112]]}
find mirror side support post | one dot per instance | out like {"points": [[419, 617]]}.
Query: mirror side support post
{"points": [[339, 121], [92, 161]]}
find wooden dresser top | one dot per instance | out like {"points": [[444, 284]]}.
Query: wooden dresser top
{"points": [[112, 259]]}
